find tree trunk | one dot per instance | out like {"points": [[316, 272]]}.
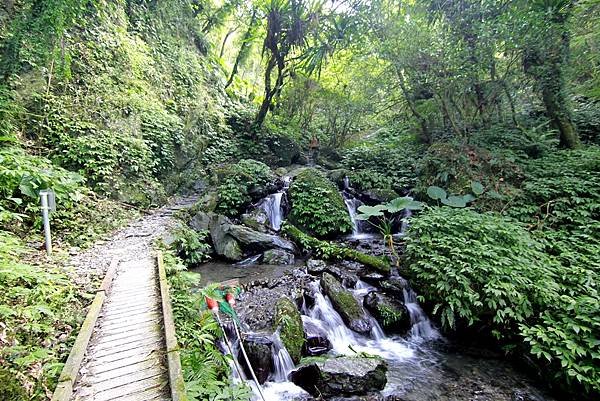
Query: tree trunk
{"points": [[243, 49], [544, 61]]}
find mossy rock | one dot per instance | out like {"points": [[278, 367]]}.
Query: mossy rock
{"points": [[346, 305], [317, 205], [291, 330], [393, 316]]}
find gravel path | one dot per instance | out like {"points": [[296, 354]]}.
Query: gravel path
{"points": [[133, 242]]}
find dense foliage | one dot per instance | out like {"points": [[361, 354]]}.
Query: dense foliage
{"points": [[478, 269], [40, 310], [240, 183], [317, 205]]}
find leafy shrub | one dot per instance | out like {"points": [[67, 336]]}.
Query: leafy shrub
{"points": [[454, 166], [40, 312], [367, 179], [317, 205], [191, 246], [485, 271], [394, 159], [477, 268], [561, 191], [240, 183], [22, 176]]}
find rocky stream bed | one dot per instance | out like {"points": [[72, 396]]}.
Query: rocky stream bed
{"points": [[316, 329]]}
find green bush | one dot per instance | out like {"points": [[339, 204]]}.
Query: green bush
{"points": [[240, 183], [191, 246], [394, 161], [535, 291], [453, 166], [40, 313], [22, 176], [317, 205], [478, 268], [562, 190]]}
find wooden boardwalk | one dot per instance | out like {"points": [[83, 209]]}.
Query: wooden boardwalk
{"points": [[126, 356]]}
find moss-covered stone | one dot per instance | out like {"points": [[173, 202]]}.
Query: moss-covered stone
{"points": [[327, 250], [317, 205], [393, 316], [345, 304], [289, 322]]}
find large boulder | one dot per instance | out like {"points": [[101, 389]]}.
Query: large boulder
{"points": [[278, 257], [317, 342], [392, 315], [291, 330], [341, 376], [259, 350], [255, 240], [346, 305], [257, 219], [224, 244], [201, 221]]}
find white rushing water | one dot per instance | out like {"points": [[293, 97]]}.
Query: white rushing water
{"points": [[352, 204], [345, 341], [282, 361], [272, 205]]}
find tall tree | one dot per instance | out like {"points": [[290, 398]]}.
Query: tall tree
{"points": [[545, 58]]}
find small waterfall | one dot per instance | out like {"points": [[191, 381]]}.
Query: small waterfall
{"points": [[346, 183], [282, 361], [352, 204], [421, 327], [272, 206], [324, 315], [252, 260], [404, 224]]}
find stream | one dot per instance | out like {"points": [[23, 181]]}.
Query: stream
{"points": [[421, 364]]}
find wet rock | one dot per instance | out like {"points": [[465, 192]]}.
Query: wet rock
{"points": [[256, 219], [255, 304], [256, 240], [316, 266], [258, 348], [393, 316], [291, 330], [317, 342], [372, 278], [224, 244], [278, 257], [341, 376], [345, 304], [395, 286], [208, 202], [348, 278]]}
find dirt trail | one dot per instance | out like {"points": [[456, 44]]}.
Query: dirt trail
{"points": [[133, 242]]}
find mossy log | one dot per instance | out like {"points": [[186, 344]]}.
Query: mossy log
{"points": [[328, 250]]}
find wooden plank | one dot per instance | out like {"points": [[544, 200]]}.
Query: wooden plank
{"points": [[64, 388], [176, 381]]}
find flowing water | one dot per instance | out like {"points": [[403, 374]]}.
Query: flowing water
{"points": [[272, 205], [352, 204]]}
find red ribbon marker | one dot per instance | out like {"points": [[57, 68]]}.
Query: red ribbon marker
{"points": [[230, 299], [212, 304]]}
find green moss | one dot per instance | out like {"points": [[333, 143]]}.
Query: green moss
{"points": [[240, 183], [12, 390], [317, 205], [344, 301], [289, 322], [327, 250]]}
